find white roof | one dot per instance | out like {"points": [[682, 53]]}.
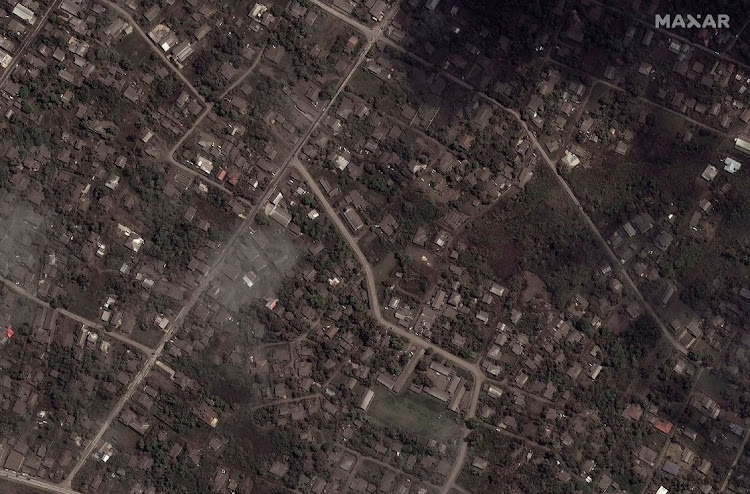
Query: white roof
{"points": [[731, 165], [742, 144], [570, 159], [205, 164], [341, 162], [24, 13]]}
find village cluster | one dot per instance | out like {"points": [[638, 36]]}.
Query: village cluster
{"points": [[372, 246]]}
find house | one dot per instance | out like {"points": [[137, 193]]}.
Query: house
{"points": [[377, 11], [278, 214], [146, 136], [353, 219], [152, 13], [204, 164], [664, 240], [367, 399], [207, 415], [479, 463], [14, 461], [5, 59], [671, 468], [742, 143], [275, 53], [643, 222], [710, 172], [279, 469], [498, 290], [570, 160], [340, 162], [731, 165], [466, 141], [431, 5], [24, 13], [647, 455], [202, 32], [388, 225], [182, 51]]}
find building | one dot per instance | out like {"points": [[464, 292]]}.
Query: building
{"points": [[367, 399], [340, 162], [710, 172], [278, 214], [182, 51], [742, 143], [570, 160], [732, 165], [204, 164], [24, 13], [5, 59], [431, 5], [353, 219]]}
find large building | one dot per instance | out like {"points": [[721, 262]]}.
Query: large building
{"points": [[24, 13]]}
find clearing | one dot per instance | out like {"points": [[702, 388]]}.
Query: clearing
{"points": [[420, 415]]}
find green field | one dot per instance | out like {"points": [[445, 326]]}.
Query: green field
{"points": [[420, 415]]}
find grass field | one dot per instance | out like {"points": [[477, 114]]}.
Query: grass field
{"points": [[133, 48], [420, 415], [384, 268]]}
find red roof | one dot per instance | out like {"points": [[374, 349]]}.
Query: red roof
{"points": [[664, 426], [9, 333]]}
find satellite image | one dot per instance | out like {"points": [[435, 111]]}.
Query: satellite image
{"points": [[374, 246]]}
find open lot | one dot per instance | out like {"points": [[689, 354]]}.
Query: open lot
{"points": [[420, 414]]}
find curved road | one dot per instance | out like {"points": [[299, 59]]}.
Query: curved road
{"points": [[123, 13], [372, 293], [176, 322], [76, 317]]}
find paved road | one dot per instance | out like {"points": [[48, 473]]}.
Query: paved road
{"points": [[671, 434], [642, 99], [206, 110], [76, 317], [176, 322], [27, 42], [367, 31], [171, 329], [736, 459], [372, 293], [19, 478], [154, 48], [369, 459], [582, 213], [595, 231], [673, 35]]}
